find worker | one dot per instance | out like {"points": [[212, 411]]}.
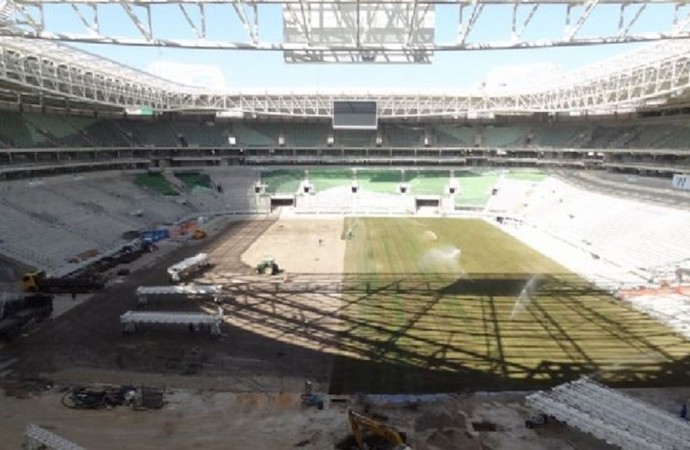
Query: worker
{"points": [[320, 242], [684, 411]]}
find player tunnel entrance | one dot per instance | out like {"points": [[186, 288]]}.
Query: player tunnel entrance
{"points": [[280, 201], [427, 202]]}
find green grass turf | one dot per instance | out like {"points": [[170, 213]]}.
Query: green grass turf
{"points": [[425, 322]]}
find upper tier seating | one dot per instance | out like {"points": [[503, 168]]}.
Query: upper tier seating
{"points": [[203, 134], [158, 134], [256, 135], [404, 136], [35, 130], [306, 135], [505, 136], [455, 136], [558, 136]]}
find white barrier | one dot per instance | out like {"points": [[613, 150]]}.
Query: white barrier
{"points": [[612, 416], [188, 290], [37, 438], [187, 266], [131, 318]]}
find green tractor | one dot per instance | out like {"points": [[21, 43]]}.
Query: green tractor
{"points": [[267, 266]]}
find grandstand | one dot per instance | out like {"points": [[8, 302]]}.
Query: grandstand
{"points": [[164, 168], [585, 168]]}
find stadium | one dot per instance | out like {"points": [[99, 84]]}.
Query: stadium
{"points": [[328, 265]]}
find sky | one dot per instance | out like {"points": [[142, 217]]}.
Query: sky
{"points": [[449, 70]]}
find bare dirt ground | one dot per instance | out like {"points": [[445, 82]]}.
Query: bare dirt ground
{"points": [[299, 245], [86, 343], [195, 419], [299, 306]]}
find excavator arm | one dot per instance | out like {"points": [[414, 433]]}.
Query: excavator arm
{"points": [[359, 424]]}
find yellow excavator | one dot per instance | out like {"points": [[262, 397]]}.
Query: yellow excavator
{"points": [[198, 234], [361, 424]]}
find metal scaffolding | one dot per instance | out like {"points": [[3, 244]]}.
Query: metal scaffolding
{"points": [[131, 319], [37, 438], [187, 266], [186, 290]]}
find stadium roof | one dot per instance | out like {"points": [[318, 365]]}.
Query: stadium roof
{"points": [[651, 76], [346, 30], [37, 69]]}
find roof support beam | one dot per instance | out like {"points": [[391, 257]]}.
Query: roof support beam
{"points": [[248, 25], [191, 23], [589, 7], [638, 13], [465, 29], [25, 18], [145, 30], [656, 75]]}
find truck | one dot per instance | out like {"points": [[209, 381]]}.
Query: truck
{"points": [[39, 281], [17, 314]]}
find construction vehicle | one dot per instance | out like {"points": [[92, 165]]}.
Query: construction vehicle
{"points": [[360, 425], [188, 267], [311, 399], [198, 234], [38, 281], [18, 312], [267, 266]]}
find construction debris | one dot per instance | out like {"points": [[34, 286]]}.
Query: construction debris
{"points": [[138, 398]]}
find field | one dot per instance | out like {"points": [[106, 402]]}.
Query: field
{"points": [[448, 305], [403, 306]]}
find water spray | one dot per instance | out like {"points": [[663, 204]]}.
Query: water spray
{"points": [[525, 298]]}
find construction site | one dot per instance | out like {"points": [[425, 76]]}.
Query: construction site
{"points": [[334, 224], [328, 330]]}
